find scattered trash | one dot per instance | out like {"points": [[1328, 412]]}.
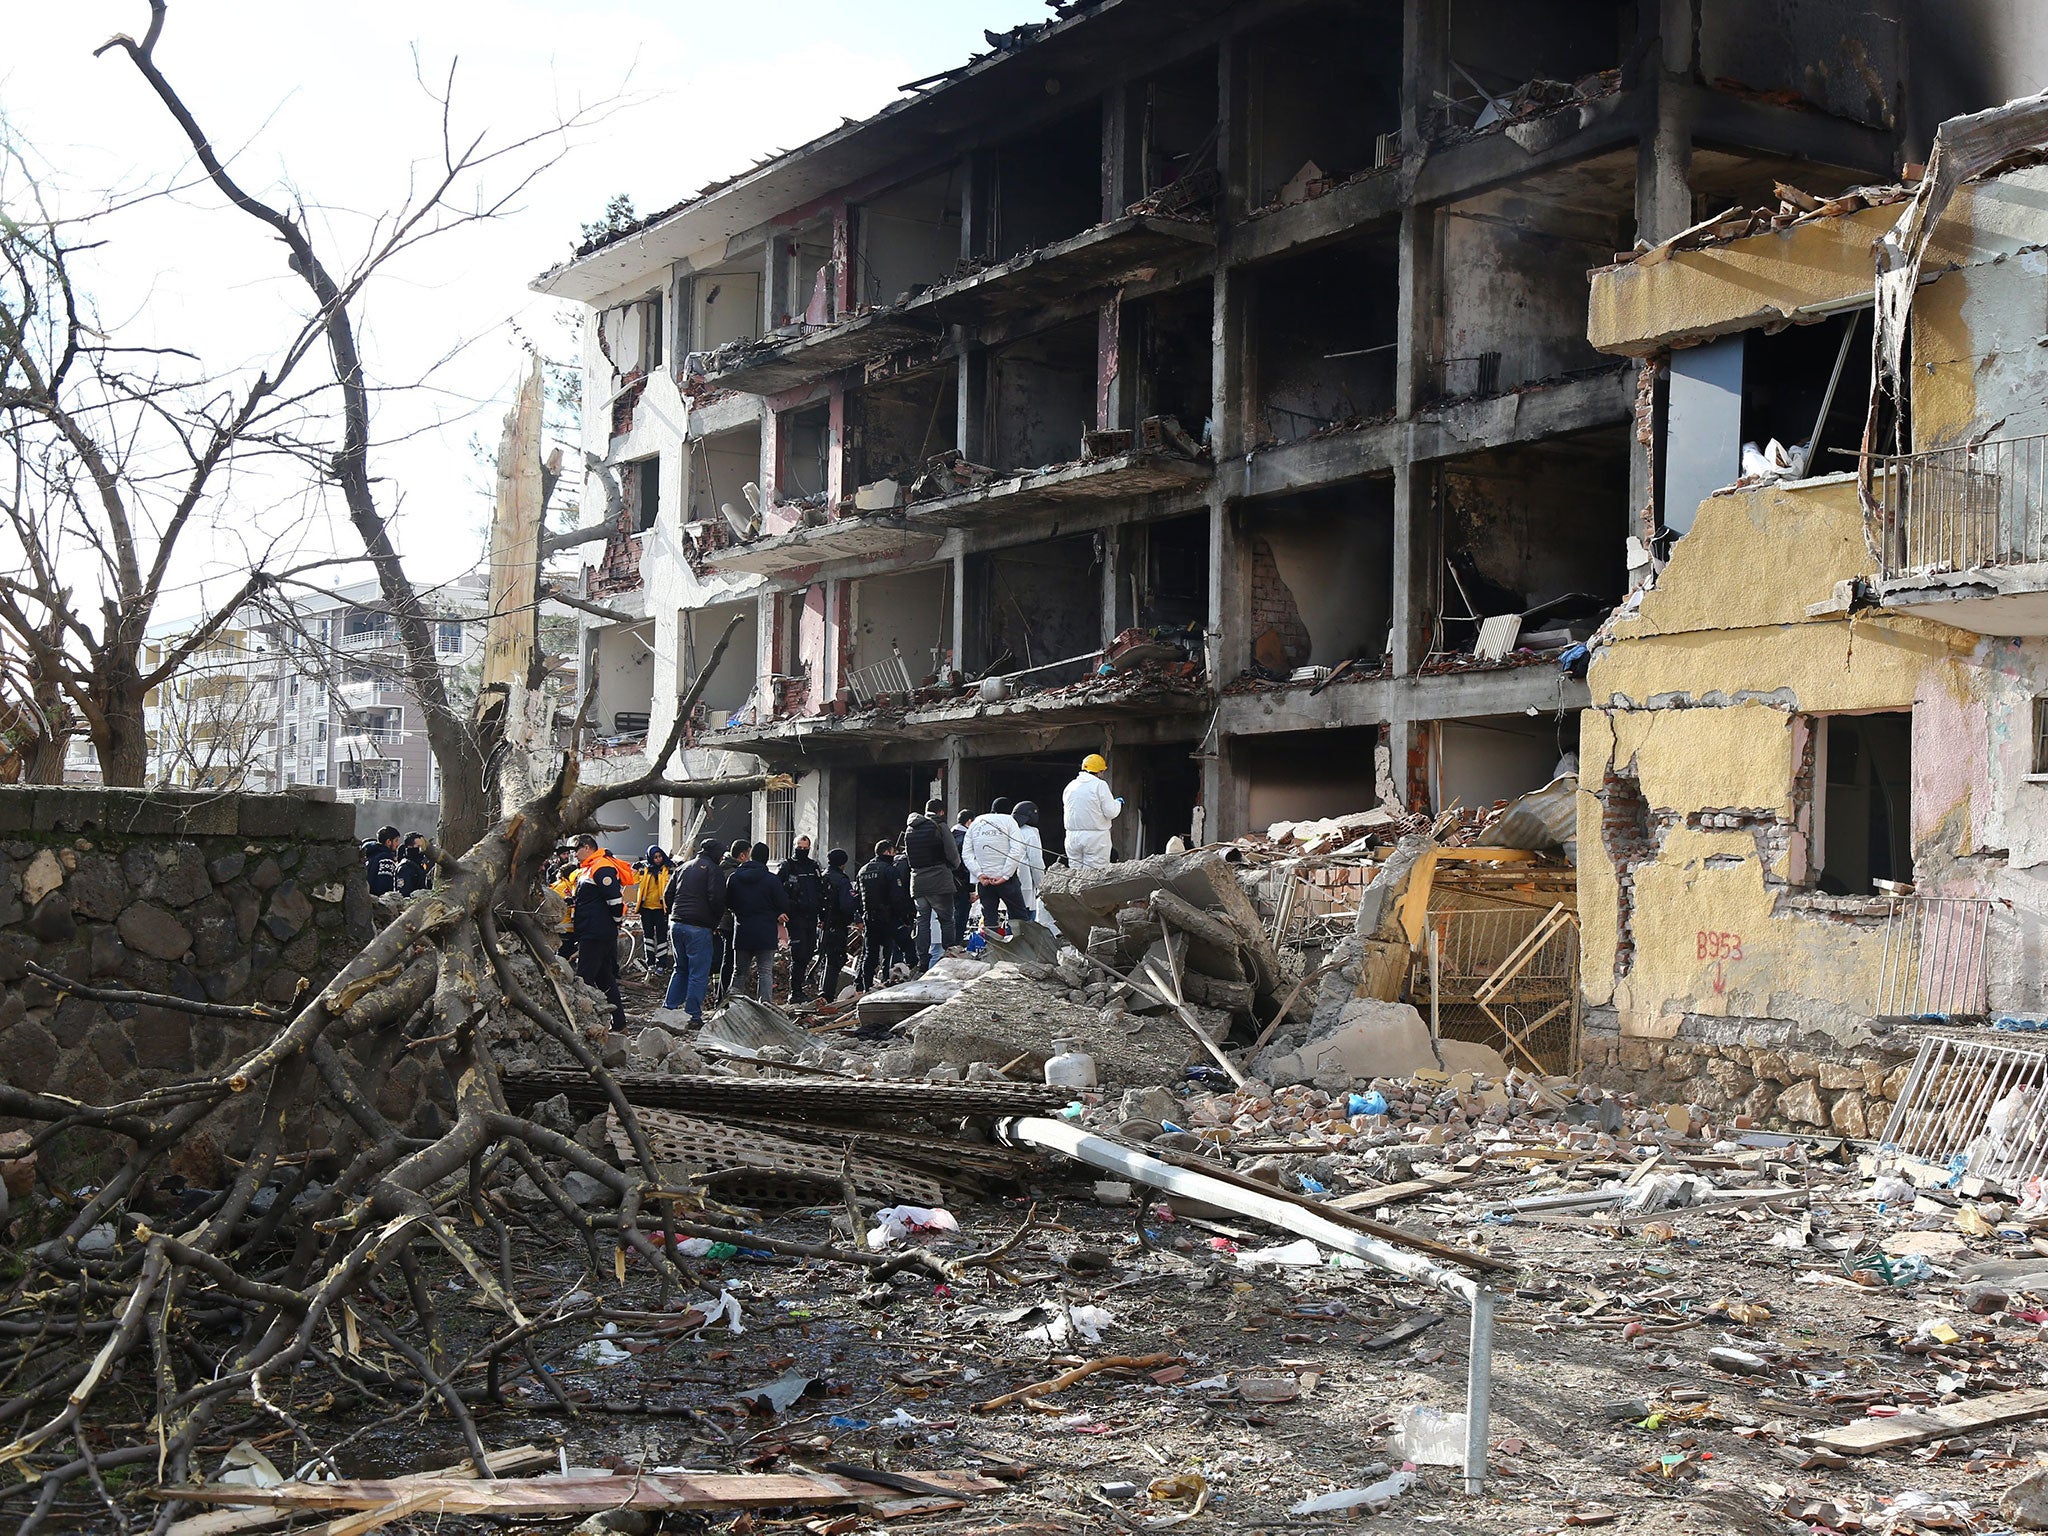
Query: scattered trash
{"points": [[1429, 1437], [894, 1223], [1371, 1497]]}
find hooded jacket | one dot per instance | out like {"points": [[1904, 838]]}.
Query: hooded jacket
{"points": [[755, 899], [934, 856], [696, 893]]}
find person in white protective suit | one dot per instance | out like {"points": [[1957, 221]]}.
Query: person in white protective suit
{"points": [[1089, 808], [1030, 858]]}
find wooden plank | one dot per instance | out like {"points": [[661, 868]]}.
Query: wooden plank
{"points": [[1390, 1194], [231, 1522], [574, 1495], [1868, 1437]]}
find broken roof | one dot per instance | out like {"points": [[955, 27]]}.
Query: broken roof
{"points": [[1027, 68]]}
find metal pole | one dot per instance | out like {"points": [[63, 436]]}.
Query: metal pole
{"points": [[1479, 1389]]}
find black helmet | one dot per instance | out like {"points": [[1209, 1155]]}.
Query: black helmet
{"points": [[1026, 813]]}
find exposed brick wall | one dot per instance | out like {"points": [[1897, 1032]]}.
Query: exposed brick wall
{"points": [[1273, 606], [1629, 835]]}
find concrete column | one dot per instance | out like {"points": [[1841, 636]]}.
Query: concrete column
{"points": [[959, 637], [977, 204], [1112, 542], [775, 276], [845, 281], [1116, 365], [1664, 152], [1123, 149], [1425, 37], [970, 424], [836, 487], [956, 760]]}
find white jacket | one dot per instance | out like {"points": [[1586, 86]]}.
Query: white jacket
{"points": [[992, 846], [1031, 864], [1088, 804]]}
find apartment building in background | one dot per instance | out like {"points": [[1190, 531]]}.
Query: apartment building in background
{"points": [[1206, 384]]}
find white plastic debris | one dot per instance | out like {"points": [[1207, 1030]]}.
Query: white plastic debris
{"points": [[247, 1467], [724, 1308], [1775, 461], [893, 1223], [602, 1352], [1373, 1496], [1084, 1322], [1299, 1254], [1429, 1437]]}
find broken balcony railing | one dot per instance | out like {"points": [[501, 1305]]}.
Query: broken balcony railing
{"points": [[1965, 508], [1933, 961], [1977, 1107]]}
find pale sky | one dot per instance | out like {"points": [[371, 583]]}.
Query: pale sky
{"points": [[322, 104]]}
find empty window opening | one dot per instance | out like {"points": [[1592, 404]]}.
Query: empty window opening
{"points": [[1175, 353], [1292, 775], [1514, 290], [731, 688], [1163, 583], [1322, 113], [1177, 129], [1038, 778], [1041, 396], [1534, 535], [1508, 59], [1035, 611], [1864, 786], [895, 632], [807, 256], [725, 305], [884, 795], [1045, 186], [894, 428], [806, 440], [653, 331], [907, 239], [1322, 576], [722, 466], [1808, 387], [622, 665], [643, 490], [1476, 764], [1323, 338]]}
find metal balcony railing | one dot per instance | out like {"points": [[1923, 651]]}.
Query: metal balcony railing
{"points": [[1934, 957], [1960, 509]]}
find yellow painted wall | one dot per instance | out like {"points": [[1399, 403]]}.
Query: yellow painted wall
{"points": [[1696, 701]]}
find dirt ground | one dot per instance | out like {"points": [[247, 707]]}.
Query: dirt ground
{"points": [[1600, 1314]]}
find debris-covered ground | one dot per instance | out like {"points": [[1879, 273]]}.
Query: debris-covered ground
{"points": [[903, 1309], [1665, 1368]]}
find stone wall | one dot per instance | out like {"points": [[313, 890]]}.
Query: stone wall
{"points": [[217, 898], [1779, 1076]]}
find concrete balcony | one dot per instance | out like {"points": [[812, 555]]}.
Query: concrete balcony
{"points": [[1965, 536], [1095, 258]]}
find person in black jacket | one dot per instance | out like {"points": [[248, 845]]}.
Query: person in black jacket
{"points": [[803, 887], [413, 873], [934, 880], [696, 906], [380, 861], [842, 906], [878, 906], [753, 897], [739, 853], [596, 905]]}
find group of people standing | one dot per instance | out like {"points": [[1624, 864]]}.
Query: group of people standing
{"points": [[726, 911]]}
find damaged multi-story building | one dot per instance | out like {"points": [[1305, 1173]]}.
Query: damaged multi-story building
{"points": [[1814, 812], [1205, 384]]}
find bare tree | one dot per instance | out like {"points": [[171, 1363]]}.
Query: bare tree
{"points": [[215, 716], [111, 462], [475, 180]]}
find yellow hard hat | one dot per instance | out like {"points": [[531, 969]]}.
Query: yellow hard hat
{"points": [[1094, 762]]}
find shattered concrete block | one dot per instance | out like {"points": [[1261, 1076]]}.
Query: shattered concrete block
{"points": [[1007, 1014], [1079, 900], [1373, 1038]]}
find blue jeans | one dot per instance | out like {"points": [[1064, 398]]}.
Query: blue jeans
{"points": [[693, 969]]}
